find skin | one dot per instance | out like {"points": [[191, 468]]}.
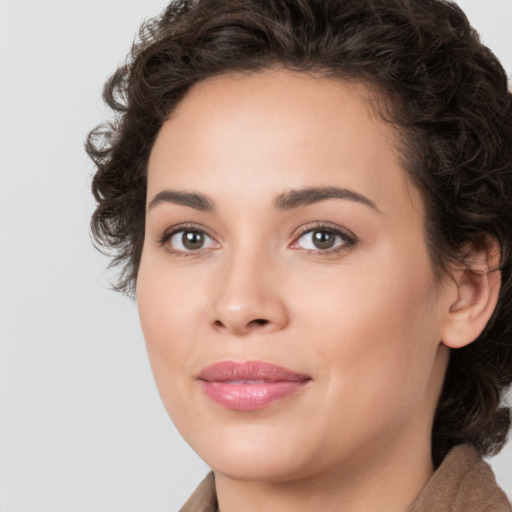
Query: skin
{"points": [[368, 322]]}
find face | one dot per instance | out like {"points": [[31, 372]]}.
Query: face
{"points": [[289, 306]]}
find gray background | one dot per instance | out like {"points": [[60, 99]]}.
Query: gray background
{"points": [[81, 425]]}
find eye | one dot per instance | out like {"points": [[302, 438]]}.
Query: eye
{"points": [[187, 240], [323, 239]]}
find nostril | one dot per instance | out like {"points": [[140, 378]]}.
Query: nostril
{"points": [[259, 321], [242, 326]]}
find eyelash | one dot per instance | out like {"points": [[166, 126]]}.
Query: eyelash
{"points": [[177, 229], [349, 239]]}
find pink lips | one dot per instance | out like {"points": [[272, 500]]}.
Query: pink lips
{"points": [[250, 385]]}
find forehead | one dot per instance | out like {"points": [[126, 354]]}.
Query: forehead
{"points": [[273, 130]]}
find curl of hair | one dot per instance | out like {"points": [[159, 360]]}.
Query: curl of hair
{"points": [[449, 99]]}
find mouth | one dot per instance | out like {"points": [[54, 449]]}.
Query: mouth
{"points": [[250, 385]]}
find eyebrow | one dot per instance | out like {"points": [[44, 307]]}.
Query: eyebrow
{"points": [[288, 200], [193, 200], [306, 196]]}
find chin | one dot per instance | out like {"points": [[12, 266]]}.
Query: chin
{"points": [[258, 465], [264, 452], [244, 451]]}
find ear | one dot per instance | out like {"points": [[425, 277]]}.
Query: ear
{"points": [[473, 293]]}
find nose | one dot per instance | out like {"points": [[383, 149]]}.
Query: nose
{"points": [[248, 298]]}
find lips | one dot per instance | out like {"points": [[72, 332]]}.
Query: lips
{"points": [[250, 385]]}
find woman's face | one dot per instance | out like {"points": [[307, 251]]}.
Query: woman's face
{"points": [[290, 310]]}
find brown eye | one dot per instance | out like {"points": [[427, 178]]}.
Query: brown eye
{"points": [[190, 240], [322, 239]]}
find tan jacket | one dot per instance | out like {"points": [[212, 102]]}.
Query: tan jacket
{"points": [[462, 483]]}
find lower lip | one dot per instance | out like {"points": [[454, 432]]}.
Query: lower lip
{"points": [[250, 396]]}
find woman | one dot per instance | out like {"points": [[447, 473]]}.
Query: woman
{"points": [[313, 203]]}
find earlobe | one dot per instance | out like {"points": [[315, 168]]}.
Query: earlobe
{"points": [[475, 290]]}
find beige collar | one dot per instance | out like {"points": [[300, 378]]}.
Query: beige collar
{"points": [[462, 483]]}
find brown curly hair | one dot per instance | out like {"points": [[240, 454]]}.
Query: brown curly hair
{"points": [[449, 100]]}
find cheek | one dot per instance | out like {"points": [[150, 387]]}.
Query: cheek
{"points": [[375, 332], [167, 300], [167, 305]]}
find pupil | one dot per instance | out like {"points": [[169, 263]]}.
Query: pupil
{"points": [[193, 239], [323, 239]]}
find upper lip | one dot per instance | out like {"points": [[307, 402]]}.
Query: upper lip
{"points": [[225, 371]]}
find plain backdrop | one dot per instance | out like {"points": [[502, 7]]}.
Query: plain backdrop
{"points": [[81, 426]]}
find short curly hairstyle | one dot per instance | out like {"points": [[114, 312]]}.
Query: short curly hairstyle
{"points": [[449, 101]]}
